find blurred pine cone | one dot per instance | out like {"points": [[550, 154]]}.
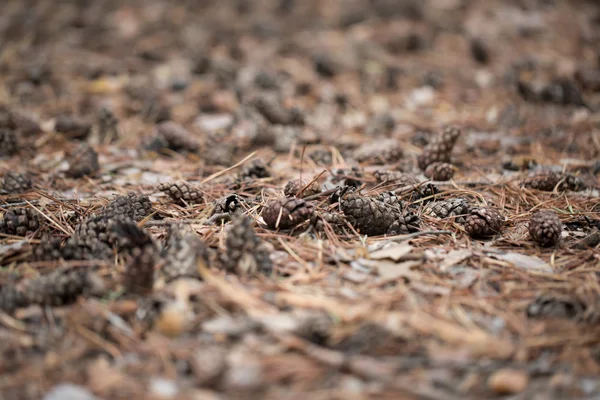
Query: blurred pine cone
{"points": [[71, 127], [440, 148], [484, 221], [228, 204], [256, 169], [246, 253], [182, 192], [75, 248], [10, 298], [141, 257], [132, 206], [293, 188], [19, 222], [456, 207], [9, 144], [286, 213], [386, 151], [61, 287], [378, 216], [83, 163], [337, 222], [439, 171], [549, 180], [170, 135], [15, 183], [183, 252], [545, 228]]}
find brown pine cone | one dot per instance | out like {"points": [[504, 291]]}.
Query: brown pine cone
{"points": [[348, 177], [378, 216], [274, 111], [15, 183], [72, 127], [246, 253], [439, 171], [141, 257], [256, 169], [321, 156], [545, 228], [386, 151], [549, 180], [182, 192], [337, 222], [20, 222], [9, 144], [61, 287], [286, 213], [442, 209], [170, 135], [384, 175], [440, 148], [10, 298], [75, 248], [484, 221], [183, 252], [132, 206], [98, 228], [293, 188], [229, 204], [83, 163]]}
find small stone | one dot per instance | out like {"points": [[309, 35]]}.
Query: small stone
{"points": [[68, 391], [508, 381]]}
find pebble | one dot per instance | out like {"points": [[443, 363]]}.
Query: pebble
{"points": [[68, 391], [508, 381]]}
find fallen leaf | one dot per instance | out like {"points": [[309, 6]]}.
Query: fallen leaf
{"points": [[395, 252], [454, 257]]}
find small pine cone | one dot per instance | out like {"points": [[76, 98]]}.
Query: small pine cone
{"points": [[49, 249], [108, 126], [274, 111], [61, 287], [173, 136], [228, 204], [545, 228], [96, 228], [549, 180], [182, 192], [384, 175], [84, 163], [484, 221], [556, 305], [183, 252], [387, 151], [20, 222], [439, 171], [141, 257], [130, 206], [256, 169], [77, 248], [351, 177], [293, 188], [380, 125], [439, 148], [378, 216], [10, 298], [321, 156], [457, 208], [315, 326], [72, 127], [287, 213], [336, 221], [9, 144], [246, 253], [16, 183]]}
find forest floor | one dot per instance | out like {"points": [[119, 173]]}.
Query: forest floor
{"points": [[232, 199]]}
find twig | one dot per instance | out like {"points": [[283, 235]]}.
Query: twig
{"points": [[222, 172]]}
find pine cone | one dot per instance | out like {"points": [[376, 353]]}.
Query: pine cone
{"points": [[15, 183], [256, 169], [228, 204], [130, 206], [20, 222], [380, 125], [549, 180], [321, 156], [72, 127], [61, 287], [439, 171], [98, 228], [556, 305], [384, 175], [10, 298], [293, 188], [336, 221], [9, 144], [348, 177], [83, 163], [182, 253], [274, 111], [182, 192], [442, 209], [484, 221], [378, 216], [440, 148], [545, 228], [315, 326], [75, 248], [246, 253], [141, 257], [108, 130], [387, 151], [170, 135], [286, 213]]}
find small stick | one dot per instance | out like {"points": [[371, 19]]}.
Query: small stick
{"points": [[217, 174]]}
